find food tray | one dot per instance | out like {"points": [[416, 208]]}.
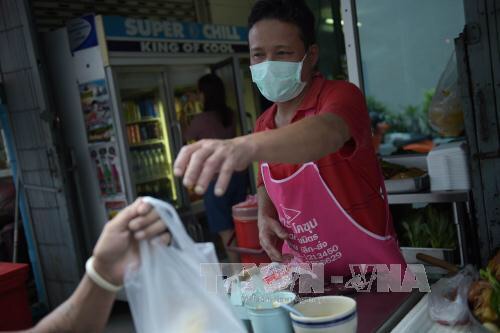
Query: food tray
{"points": [[409, 185]]}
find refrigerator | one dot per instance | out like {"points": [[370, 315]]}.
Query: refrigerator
{"points": [[125, 90]]}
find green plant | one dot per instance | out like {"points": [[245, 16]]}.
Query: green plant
{"points": [[416, 231], [441, 231], [430, 227], [412, 118], [373, 105]]}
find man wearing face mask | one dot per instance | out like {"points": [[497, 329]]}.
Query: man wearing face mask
{"points": [[321, 192]]}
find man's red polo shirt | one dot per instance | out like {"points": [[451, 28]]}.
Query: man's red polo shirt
{"points": [[352, 173]]}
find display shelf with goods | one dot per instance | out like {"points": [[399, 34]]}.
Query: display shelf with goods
{"points": [[149, 147], [422, 221], [460, 219]]}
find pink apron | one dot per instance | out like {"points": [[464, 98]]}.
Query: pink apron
{"points": [[319, 229]]}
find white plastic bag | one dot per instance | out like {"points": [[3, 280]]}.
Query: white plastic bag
{"points": [[448, 298], [168, 293]]}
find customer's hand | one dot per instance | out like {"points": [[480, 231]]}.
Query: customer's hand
{"points": [[201, 161], [118, 244], [271, 236]]}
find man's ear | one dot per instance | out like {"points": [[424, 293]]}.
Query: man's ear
{"points": [[313, 55]]}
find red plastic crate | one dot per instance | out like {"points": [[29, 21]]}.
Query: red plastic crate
{"points": [[15, 312]]}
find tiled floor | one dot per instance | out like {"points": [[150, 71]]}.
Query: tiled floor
{"points": [[120, 320]]}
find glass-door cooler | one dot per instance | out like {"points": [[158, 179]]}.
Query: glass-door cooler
{"points": [[146, 137]]}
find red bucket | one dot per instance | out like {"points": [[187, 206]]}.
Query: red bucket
{"points": [[15, 312], [247, 233]]}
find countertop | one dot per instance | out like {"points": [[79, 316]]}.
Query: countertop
{"points": [[379, 312]]}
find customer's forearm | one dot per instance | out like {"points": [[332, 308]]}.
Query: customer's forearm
{"points": [[86, 311]]}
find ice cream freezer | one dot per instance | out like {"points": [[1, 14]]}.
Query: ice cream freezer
{"points": [[125, 90]]}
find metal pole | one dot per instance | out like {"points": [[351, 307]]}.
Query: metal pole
{"points": [[352, 47]]}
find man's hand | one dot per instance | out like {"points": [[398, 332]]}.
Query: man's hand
{"points": [[201, 161], [271, 236], [118, 244]]}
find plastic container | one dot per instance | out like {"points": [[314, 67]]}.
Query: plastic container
{"points": [[247, 233], [245, 224], [409, 185], [15, 312], [265, 319]]}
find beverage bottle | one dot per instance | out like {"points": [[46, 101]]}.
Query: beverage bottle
{"points": [[156, 131], [151, 131], [116, 178], [144, 108], [133, 161], [144, 132], [156, 109], [150, 107], [151, 163], [140, 166], [108, 178], [144, 165], [163, 161], [137, 134], [134, 112], [156, 159], [129, 135]]}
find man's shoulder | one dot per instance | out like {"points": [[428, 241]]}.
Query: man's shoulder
{"points": [[339, 87]]}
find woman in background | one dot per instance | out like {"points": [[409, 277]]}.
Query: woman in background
{"points": [[217, 122]]}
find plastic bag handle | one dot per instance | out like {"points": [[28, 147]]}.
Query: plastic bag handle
{"points": [[168, 214]]}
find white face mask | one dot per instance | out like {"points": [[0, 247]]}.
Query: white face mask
{"points": [[279, 81]]}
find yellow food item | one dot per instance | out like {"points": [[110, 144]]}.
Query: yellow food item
{"points": [[480, 301]]}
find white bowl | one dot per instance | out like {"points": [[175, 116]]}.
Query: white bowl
{"points": [[326, 314]]}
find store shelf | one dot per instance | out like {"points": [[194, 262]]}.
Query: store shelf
{"points": [[428, 197], [146, 120], [5, 173], [149, 180], [146, 143]]}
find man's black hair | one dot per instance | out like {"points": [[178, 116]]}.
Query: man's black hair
{"points": [[291, 11]]}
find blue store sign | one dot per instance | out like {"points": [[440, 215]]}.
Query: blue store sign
{"points": [[155, 36]]}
